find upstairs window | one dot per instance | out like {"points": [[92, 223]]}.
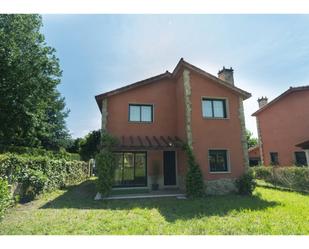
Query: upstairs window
{"points": [[218, 160], [274, 158], [214, 108], [300, 158], [140, 113]]}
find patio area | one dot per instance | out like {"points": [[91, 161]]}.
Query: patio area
{"points": [[141, 194]]}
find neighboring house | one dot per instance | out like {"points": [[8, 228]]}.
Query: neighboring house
{"points": [[153, 117], [283, 128], [254, 156]]}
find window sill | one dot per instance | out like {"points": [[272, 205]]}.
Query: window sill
{"points": [[215, 118], [220, 172], [137, 122]]}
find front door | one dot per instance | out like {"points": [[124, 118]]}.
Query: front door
{"points": [[169, 165]]}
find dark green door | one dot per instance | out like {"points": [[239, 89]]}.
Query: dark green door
{"points": [[169, 165]]}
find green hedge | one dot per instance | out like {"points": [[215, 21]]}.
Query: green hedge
{"points": [[5, 196], [35, 175], [21, 150], [293, 177]]}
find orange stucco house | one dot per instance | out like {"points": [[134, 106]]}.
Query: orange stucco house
{"points": [[283, 128], [152, 118]]}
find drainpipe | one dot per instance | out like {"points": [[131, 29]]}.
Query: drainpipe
{"points": [[307, 157]]}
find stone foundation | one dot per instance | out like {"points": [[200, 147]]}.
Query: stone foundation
{"points": [[220, 187]]}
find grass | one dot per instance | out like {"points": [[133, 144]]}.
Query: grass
{"points": [[73, 211]]}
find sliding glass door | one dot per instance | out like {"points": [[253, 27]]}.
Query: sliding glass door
{"points": [[131, 169]]}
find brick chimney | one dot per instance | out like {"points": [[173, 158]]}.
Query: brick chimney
{"points": [[262, 101], [226, 75]]}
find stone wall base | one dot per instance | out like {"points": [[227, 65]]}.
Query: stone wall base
{"points": [[220, 187]]}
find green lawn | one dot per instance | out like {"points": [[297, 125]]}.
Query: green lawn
{"points": [[74, 211]]}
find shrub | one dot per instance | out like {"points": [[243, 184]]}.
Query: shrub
{"points": [[261, 172], [105, 165], [296, 178], [5, 196], [246, 184], [194, 179], [33, 184]]}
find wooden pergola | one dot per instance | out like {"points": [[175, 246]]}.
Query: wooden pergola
{"points": [[304, 145], [148, 143]]}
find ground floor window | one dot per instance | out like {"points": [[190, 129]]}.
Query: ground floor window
{"points": [[131, 169], [274, 158], [218, 160], [254, 161], [300, 158]]}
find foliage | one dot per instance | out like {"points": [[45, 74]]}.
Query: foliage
{"points": [[5, 196], [262, 172], [251, 141], [22, 150], [105, 164], [246, 183], [194, 178], [74, 212], [40, 174], [32, 110], [296, 178], [74, 145], [90, 145]]}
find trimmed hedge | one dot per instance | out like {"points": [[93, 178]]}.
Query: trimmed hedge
{"points": [[35, 175], [296, 178], [21, 150], [5, 196]]}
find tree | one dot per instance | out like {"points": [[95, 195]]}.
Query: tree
{"points": [[32, 111], [90, 145], [251, 141], [74, 145]]}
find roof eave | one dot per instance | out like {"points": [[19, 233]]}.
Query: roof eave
{"points": [[187, 65]]}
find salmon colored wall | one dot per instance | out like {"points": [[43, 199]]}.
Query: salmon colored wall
{"points": [[216, 133], [162, 94], [283, 125], [254, 153]]}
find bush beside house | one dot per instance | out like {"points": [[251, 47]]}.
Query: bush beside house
{"points": [[194, 179], [246, 184], [105, 164]]}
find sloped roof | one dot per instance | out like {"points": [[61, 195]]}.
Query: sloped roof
{"points": [[287, 92], [167, 75]]}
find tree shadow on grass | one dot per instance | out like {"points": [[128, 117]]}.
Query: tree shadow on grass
{"points": [[172, 209]]}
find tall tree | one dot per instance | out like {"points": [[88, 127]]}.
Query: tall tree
{"points": [[90, 145], [32, 112], [251, 141]]}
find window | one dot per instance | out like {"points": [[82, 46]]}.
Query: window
{"points": [[218, 160], [130, 169], [300, 158], [214, 108], [274, 158], [140, 113]]}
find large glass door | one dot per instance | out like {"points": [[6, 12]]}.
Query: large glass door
{"points": [[131, 169]]}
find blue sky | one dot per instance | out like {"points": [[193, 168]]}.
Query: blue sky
{"points": [[98, 53]]}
